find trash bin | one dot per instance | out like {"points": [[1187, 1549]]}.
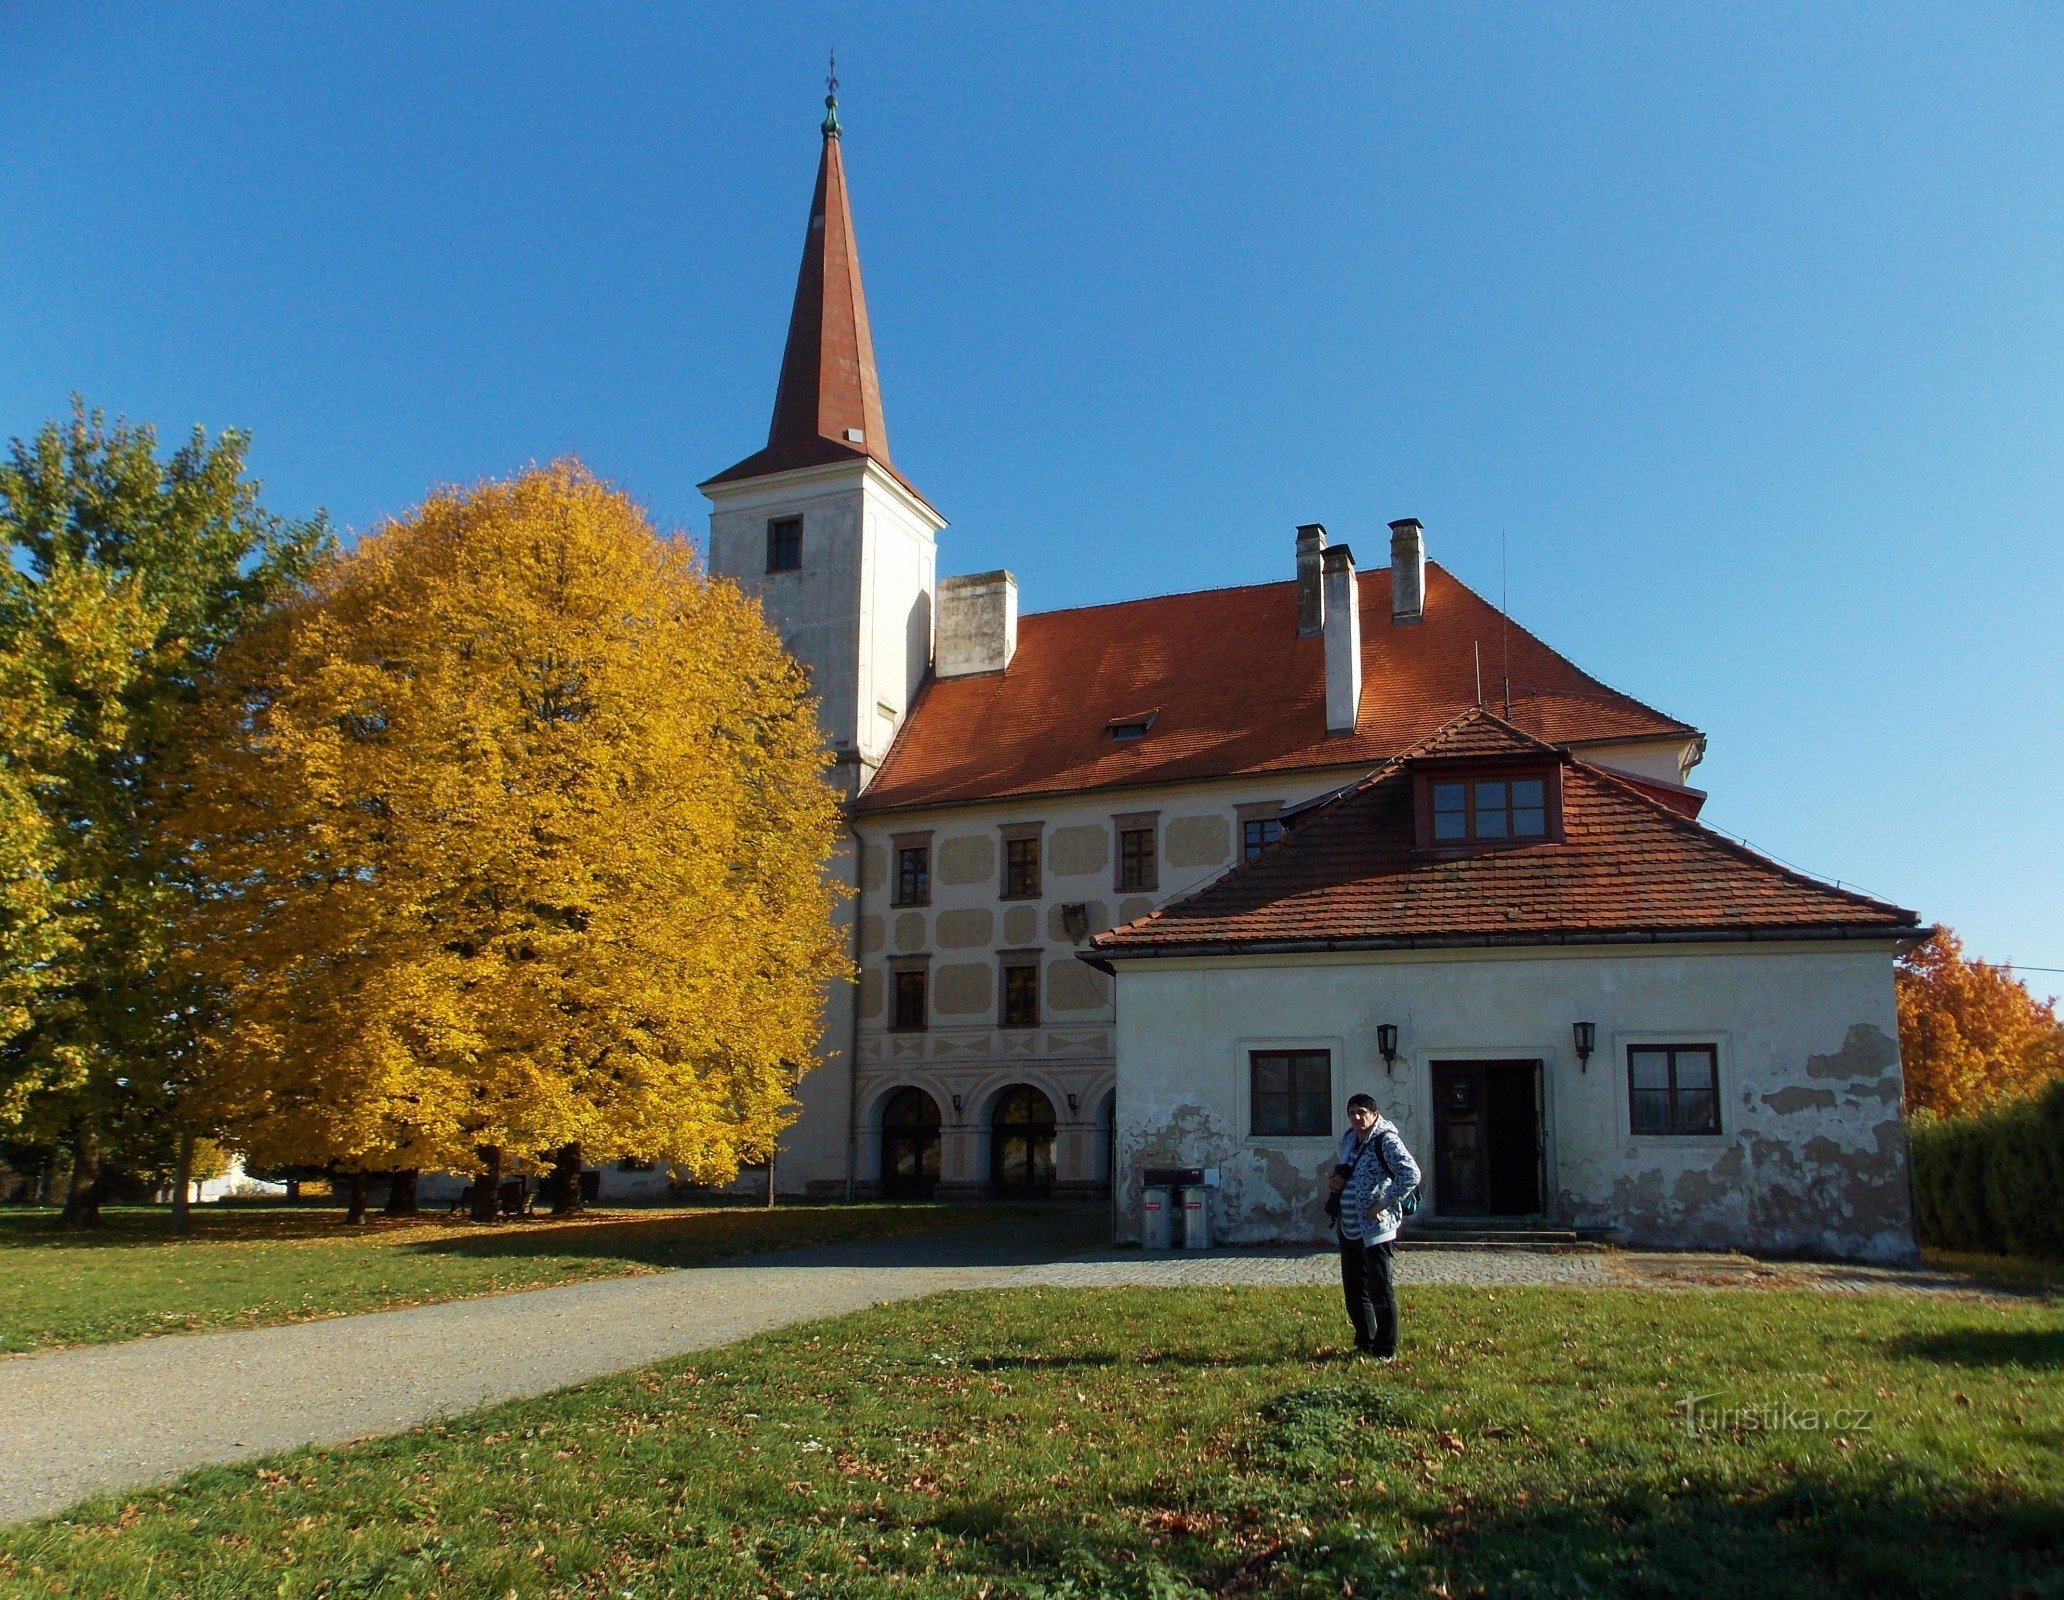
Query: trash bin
{"points": [[1154, 1219], [1196, 1216]]}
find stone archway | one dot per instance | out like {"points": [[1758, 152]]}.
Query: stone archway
{"points": [[1021, 1142], [910, 1146]]}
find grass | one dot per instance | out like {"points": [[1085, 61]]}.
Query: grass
{"points": [[1154, 1444], [2008, 1272], [247, 1267]]}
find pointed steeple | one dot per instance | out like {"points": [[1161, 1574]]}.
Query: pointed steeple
{"points": [[828, 405]]}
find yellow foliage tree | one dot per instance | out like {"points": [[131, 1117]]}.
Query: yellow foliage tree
{"points": [[515, 833], [1970, 1033]]}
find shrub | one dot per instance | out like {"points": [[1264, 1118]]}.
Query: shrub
{"points": [[1994, 1181]]}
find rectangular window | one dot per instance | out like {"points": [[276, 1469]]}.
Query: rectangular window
{"points": [[1021, 994], [1136, 868], [1292, 1092], [910, 1001], [1673, 1088], [785, 544], [914, 875], [1493, 810], [1021, 869], [1257, 834]]}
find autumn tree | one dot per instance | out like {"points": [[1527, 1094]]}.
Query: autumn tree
{"points": [[516, 833], [1970, 1033], [125, 577]]}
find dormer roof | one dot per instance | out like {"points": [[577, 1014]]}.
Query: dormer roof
{"points": [[1627, 868]]}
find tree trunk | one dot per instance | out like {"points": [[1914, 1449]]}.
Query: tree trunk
{"points": [[567, 1199], [487, 1184], [354, 1198], [82, 1199], [182, 1185], [401, 1192], [770, 1183]]}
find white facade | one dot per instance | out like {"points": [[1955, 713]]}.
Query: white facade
{"points": [[1811, 1156]]}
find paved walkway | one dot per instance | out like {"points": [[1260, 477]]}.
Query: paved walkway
{"points": [[76, 1422]]}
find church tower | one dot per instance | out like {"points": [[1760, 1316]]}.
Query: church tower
{"points": [[835, 542]]}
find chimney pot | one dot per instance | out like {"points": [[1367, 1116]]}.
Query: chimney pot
{"points": [[1407, 571], [1311, 592], [1343, 632]]}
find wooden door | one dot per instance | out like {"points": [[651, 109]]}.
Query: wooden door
{"points": [[1487, 1144], [1461, 1182]]}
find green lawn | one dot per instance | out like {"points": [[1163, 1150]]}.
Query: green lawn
{"points": [[245, 1267], [1164, 1443]]}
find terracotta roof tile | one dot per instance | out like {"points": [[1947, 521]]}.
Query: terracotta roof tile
{"points": [[1237, 691], [1628, 866]]}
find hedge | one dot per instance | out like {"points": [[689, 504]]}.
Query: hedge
{"points": [[1994, 1181]]}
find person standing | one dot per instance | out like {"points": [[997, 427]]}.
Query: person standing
{"points": [[1373, 1177]]}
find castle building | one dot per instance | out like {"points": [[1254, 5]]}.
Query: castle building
{"points": [[1160, 883]]}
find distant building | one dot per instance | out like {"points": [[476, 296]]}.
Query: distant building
{"points": [[1156, 883]]}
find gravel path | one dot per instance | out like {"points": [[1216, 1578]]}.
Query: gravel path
{"points": [[76, 1422]]}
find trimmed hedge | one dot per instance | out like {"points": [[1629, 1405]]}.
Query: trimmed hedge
{"points": [[1994, 1181]]}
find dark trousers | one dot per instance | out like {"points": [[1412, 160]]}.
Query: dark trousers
{"points": [[1371, 1300]]}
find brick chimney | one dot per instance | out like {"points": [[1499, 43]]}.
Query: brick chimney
{"points": [[978, 624], [1407, 571], [1311, 593], [1343, 631]]}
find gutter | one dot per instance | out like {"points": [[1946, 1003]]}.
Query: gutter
{"points": [[1902, 933]]}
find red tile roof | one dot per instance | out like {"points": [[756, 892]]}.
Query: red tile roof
{"points": [[1236, 691], [1349, 875], [828, 379]]}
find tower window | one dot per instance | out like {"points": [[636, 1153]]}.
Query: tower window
{"points": [[785, 544]]}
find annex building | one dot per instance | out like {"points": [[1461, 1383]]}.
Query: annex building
{"points": [[1161, 883]]}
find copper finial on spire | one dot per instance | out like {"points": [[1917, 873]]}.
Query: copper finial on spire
{"points": [[831, 127]]}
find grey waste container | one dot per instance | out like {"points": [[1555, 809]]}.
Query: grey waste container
{"points": [[1155, 1202], [1196, 1216]]}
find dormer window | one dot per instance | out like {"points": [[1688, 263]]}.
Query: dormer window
{"points": [[1133, 725], [1460, 809]]}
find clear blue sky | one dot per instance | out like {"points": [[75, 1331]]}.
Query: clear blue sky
{"points": [[1745, 327]]}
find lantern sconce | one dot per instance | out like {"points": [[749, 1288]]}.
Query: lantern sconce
{"points": [[1386, 1041], [1587, 1041], [957, 1104], [1074, 1103]]}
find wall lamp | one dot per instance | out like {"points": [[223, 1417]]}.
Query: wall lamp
{"points": [[958, 1102], [1587, 1041], [1386, 1041], [1074, 1102]]}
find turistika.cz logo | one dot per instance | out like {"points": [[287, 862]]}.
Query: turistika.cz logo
{"points": [[1771, 1416]]}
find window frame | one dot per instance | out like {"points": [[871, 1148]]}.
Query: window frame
{"points": [[1290, 1055], [921, 972], [1016, 962], [1136, 825], [1017, 839], [1469, 776], [778, 543], [899, 892], [1672, 1047]]}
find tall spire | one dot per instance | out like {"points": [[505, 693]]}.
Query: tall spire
{"points": [[827, 407]]}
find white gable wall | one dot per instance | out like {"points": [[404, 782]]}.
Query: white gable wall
{"points": [[1811, 1157]]}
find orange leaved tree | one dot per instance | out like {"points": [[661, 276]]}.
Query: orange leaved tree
{"points": [[514, 835], [1970, 1033]]}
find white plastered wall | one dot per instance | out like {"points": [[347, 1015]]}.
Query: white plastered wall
{"points": [[1811, 1157]]}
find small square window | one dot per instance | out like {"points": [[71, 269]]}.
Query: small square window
{"points": [[1291, 1093], [785, 544], [914, 875], [1673, 1088], [1021, 994], [1257, 834], [1021, 869], [910, 1001], [1136, 866]]}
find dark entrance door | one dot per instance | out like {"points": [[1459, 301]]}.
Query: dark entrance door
{"points": [[1021, 1147], [1487, 1138], [910, 1146]]}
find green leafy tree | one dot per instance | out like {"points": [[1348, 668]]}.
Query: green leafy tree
{"points": [[126, 575]]}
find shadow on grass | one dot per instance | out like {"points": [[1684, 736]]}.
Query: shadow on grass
{"points": [[1985, 1347], [1814, 1539]]}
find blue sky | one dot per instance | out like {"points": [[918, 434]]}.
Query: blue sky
{"points": [[1742, 329]]}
